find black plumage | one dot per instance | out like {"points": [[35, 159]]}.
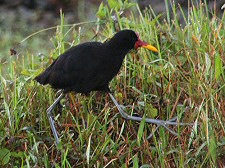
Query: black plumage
{"points": [[90, 66]]}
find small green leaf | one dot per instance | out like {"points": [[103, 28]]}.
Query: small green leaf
{"points": [[102, 11], [17, 154], [119, 95], [151, 111], [212, 147], [218, 66], [128, 5], [141, 131], [4, 156], [135, 161], [112, 4]]}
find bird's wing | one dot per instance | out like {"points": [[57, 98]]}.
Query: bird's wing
{"points": [[79, 68]]}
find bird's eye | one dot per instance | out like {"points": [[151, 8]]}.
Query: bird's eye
{"points": [[133, 38]]}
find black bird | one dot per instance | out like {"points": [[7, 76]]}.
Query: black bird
{"points": [[90, 67]]}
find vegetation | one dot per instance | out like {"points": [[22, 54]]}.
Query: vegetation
{"points": [[185, 79]]}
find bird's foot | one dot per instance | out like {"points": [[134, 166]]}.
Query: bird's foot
{"points": [[149, 120]]}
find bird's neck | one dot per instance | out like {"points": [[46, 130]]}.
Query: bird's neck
{"points": [[117, 48]]}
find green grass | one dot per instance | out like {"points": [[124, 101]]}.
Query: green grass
{"points": [[186, 78]]}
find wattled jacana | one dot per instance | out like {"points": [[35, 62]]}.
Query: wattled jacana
{"points": [[90, 67]]}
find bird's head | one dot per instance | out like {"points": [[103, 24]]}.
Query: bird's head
{"points": [[143, 44], [130, 40]]}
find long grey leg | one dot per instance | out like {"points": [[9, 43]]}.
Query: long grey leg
{"points": [[51, 120], [147, 120], [150, 136]]}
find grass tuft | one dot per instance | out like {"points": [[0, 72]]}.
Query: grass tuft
{"points": [[185, 79]]}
